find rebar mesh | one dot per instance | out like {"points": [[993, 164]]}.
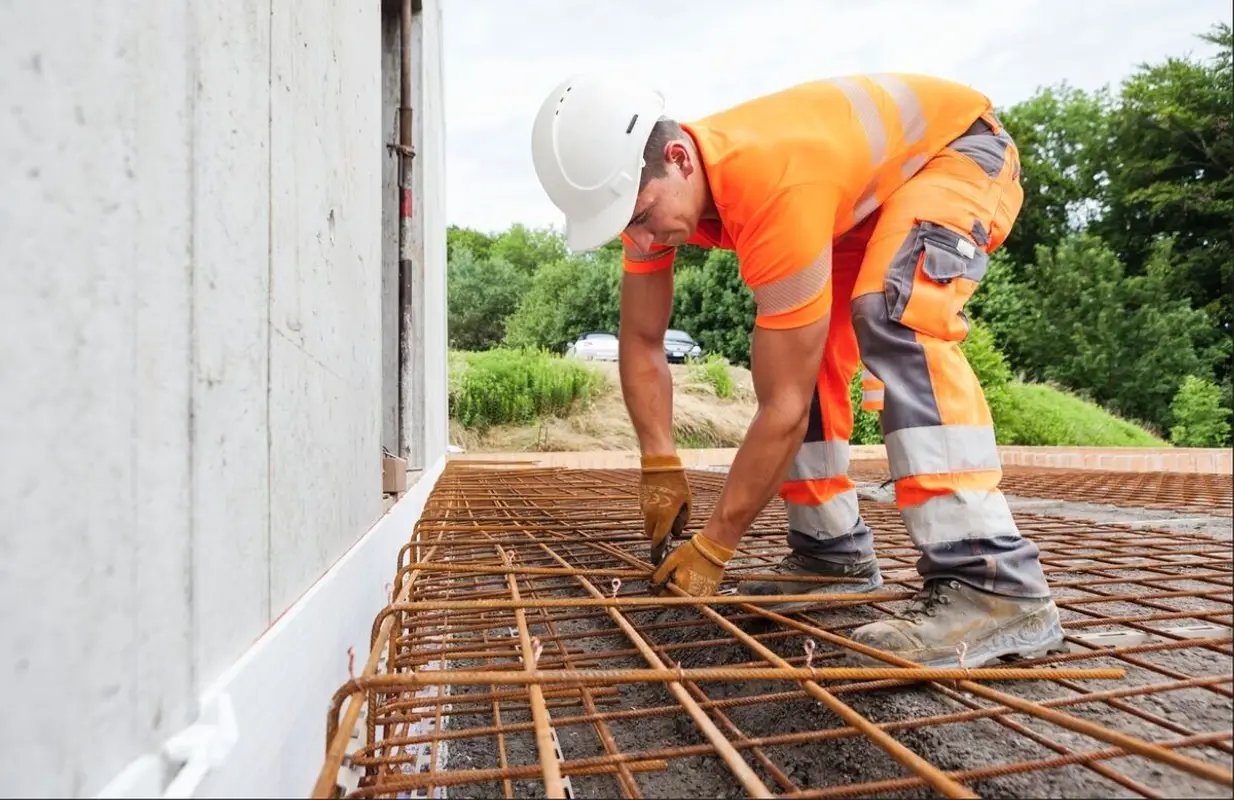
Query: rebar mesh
{"points": [[548, 566]]}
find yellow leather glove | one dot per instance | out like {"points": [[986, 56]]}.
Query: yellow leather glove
{"points": [[664, 499], [697, 567]]}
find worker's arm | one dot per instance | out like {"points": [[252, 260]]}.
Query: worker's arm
{"points": [[646, 384], [785, 369], [786, 259]]}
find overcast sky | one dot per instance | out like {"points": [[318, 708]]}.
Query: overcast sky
{"points": [[503, 56]]}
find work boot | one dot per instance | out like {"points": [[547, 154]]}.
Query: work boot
{"points": [[948, 619], [864, 576]]}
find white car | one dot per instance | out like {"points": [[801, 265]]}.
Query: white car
{"points": [[594, 346], [679, 345]]}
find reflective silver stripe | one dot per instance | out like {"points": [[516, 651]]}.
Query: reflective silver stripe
{"points": [[912, 120], [865, 206], [791, 291], [967, 514], [867, 113], [832, 519], [872, 396], [913, 165], [819, 460], [941, 449]]}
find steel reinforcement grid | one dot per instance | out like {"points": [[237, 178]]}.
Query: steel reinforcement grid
{"points": [[522, 655]]}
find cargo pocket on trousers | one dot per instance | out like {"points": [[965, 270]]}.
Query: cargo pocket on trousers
{"points": [[929, 285]]}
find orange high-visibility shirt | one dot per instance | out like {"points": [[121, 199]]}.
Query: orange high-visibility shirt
{"points": [[791, 171]]}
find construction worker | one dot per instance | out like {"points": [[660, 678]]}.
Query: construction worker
{"points": [[862, 210]]}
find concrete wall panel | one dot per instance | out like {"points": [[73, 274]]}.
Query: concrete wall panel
{"points": [[94, 541], [193, 351], [231, 284], [325, 391]]}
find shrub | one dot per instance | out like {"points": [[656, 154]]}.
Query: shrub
{"points": [[713, 370], [503, 386], [1199, 418]]}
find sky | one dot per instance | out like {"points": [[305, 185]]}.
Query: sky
{"points": [[502, 57]]}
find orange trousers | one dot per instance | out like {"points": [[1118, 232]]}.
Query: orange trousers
{"points": [[901, 279]]}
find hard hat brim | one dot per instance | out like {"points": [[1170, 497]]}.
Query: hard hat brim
{"points": [[594, 232]]}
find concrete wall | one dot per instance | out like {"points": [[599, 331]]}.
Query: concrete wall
{"points": [[192, 412]]}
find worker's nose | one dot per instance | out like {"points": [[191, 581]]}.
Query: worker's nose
{"points": [[641, 237]]}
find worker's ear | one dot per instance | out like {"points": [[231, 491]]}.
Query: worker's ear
{"points": [[678, 155]]}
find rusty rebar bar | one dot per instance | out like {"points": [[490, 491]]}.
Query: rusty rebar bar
{"points": [[498, 544]]}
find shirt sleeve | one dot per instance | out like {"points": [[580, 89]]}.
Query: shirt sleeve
{"points": [[640, 261], [785, 256]]}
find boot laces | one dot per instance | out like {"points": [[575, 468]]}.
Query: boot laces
{"points": [[927, 601]]}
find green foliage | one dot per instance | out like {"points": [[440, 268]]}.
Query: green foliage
{"points": [[1043, 416], [567, 297], [713, 370], [480, 244], [1122, 340], [1199, 418], [504, 386], [481, 295], [1171, 175], [1061, 135], [529, 249], [714, 306]]}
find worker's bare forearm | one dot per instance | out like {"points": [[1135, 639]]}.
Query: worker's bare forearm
{"points": [[647, 388], [756, 472], [785, 369]]}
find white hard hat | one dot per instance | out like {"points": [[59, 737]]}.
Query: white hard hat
{"points": [[587, 146]]}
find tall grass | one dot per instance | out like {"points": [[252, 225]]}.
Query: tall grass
{"points": [[713, 370], [508, 386], [1040, 415]]}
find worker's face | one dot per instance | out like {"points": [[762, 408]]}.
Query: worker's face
{"points": [[668, 208]]}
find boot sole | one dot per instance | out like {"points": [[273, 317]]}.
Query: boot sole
{"points": [[1014, 642], [856, 588]]}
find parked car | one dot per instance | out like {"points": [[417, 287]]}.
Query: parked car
{"points": [[594, 346], [679, 345]]}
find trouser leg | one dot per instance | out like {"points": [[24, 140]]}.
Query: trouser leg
{"points": [[821, 500], [927, 254]]}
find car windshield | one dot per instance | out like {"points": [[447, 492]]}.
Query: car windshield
{"points": [[678, 336], [598, 336]]}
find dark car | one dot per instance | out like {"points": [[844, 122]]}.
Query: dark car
{"points": [[679, 345]]}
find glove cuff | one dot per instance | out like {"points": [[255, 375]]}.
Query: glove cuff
{"points": [[661, 463], [712, 550]]}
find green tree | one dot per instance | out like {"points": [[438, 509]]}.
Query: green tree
{"points": [[1061, 134], [1199, 418], [567, 297], [458, 238], [528, 249], [1119, 339], [715, 306], [481, 295], [1171, 175]]}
